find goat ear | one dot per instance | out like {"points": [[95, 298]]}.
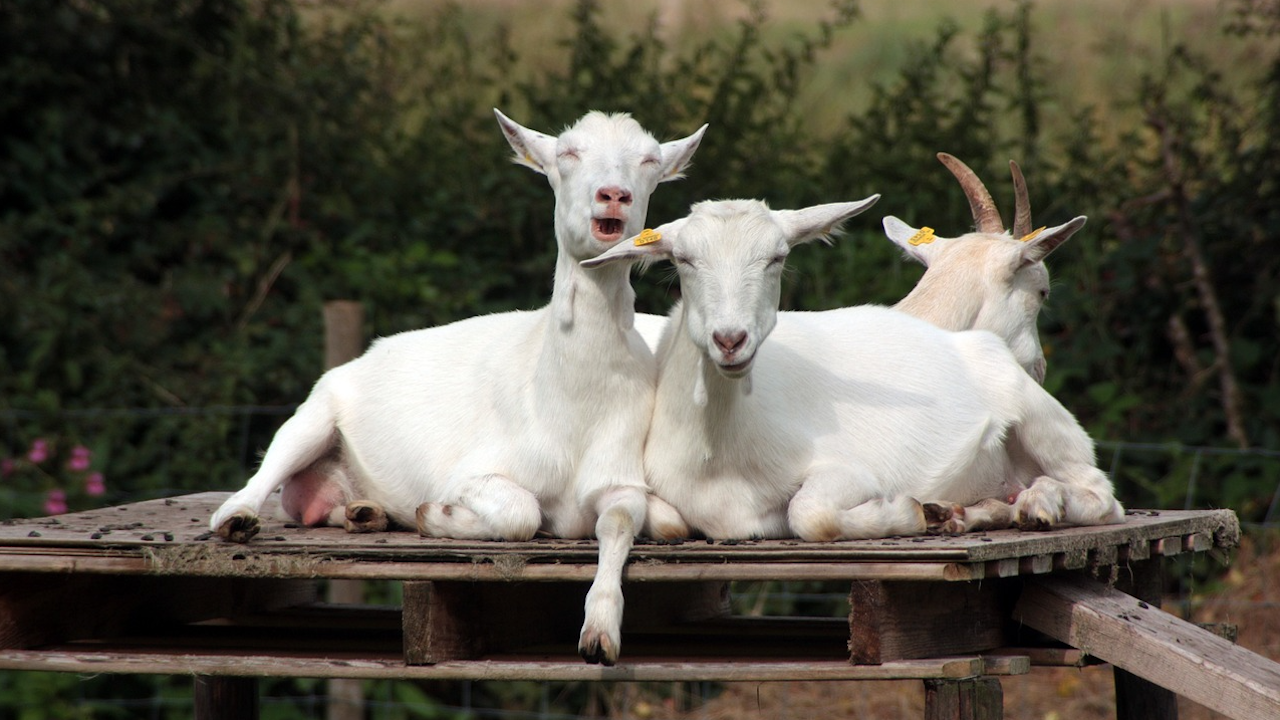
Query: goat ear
{"points": [[1038, 245], [648, 246], [819, 221], [533, 149], [677, 154], [903, 234]]}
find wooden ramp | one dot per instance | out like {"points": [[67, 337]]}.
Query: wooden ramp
{"points": [[1152, 644]]}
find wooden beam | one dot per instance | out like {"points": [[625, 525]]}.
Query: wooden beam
{"points": [[558, 667], [903, 621], [1134, 635], [970, 699]]}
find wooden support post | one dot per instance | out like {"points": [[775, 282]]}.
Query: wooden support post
{"points": [[1138, 699], [343, 342], [1134, 635], [446, 620], [225, 698], [891, 620], [979, 698]]}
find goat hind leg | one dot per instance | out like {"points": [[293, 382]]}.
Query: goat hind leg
{"points": [[841, 502], [949, 518], [301, 440], [485, 507]]}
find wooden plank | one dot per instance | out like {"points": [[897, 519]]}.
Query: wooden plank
{"points": [[969, 699], [171, 528], [1048, 656], [38, 609], [225, 698], [1138, 637], [308, 566], [896, 621], [1005, 663], [328, 665]]}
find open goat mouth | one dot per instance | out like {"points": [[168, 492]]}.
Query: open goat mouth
{"points": [[607, 229]]}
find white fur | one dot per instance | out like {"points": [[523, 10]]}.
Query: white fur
{"points": [[502, 425], [851, 415]]}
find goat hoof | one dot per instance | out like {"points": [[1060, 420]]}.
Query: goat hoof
{"points": [[943, 518], [363, 517], [1038, 523], [239, 528], [597, 650], [939, 513]]}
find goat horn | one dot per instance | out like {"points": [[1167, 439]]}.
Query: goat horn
{"points": [[1022, 206], [980, 203]]}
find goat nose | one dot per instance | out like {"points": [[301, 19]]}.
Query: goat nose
{"points": [[730, 342], [613, 194]]}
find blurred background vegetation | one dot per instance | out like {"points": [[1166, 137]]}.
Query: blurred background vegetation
{"points": [[183, 184]]}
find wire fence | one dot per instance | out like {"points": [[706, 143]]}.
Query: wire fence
{"points": [[1151, 475]]}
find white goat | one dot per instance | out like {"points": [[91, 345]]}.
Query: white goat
{"points": [[985, 280], [834, 427], [989, 279], [502, 425]]}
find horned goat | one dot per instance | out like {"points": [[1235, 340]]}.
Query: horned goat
{"points": [[988, 279], [835, 427], [502, 425]]}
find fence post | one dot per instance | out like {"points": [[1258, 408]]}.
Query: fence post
{"points": [[344, 341]]}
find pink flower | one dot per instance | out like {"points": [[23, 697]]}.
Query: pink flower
{"points": [[94, 485], [55, 503], [80, 456], [39, 451]]}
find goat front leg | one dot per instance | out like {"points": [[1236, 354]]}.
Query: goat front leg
{"points": [[620, 515], [1084, 498]]}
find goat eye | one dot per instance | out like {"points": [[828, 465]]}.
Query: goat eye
{"points": [[777, 260], [649, 160], [682, 260], [568, 155]]}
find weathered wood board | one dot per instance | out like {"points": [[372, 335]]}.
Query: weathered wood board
{"points": [[141, 661], [1140, 638]]}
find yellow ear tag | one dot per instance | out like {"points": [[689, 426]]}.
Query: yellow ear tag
{"points": [[647, 237], [923, 236], [1031, 235]]}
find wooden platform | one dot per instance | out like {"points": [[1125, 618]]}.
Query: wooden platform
{"points": [[144, 588], [170, 537]]}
